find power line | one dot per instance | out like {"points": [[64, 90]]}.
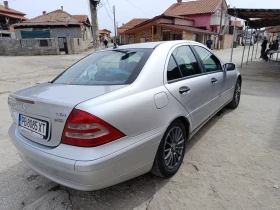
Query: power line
{"points": [[108, 11], [109, 6], [137, 7], [230, 3]]}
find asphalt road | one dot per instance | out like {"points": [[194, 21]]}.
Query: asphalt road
{"points": [[232, 163]]}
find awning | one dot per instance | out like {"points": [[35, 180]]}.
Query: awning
{"points": [[35, 34], [257, 18]]}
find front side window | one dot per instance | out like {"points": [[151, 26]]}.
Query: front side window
{"points": [[186, 61], [210, 61], [114, 67]]}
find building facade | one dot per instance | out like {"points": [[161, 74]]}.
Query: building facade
{"points": [[206, 14], [166, 28], [74, 32], [104, 34], [8, 17]]}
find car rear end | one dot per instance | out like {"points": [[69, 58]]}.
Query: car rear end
{"points": [[65, 142]]}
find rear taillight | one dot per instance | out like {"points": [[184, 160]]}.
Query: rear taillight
{"points": [[85, 130]]}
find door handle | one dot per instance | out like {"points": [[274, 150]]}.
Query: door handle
{"points": [[184, 90], [214, 80]]}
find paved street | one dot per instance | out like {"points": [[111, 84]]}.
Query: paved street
{"points": [[232, 163]]}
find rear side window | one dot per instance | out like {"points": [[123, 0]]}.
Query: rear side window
{"points": [[173, 71], [115, 67], [210, 61]]}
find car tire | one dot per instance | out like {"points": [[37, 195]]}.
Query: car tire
{"points": [[236, 96], [171, 151]]}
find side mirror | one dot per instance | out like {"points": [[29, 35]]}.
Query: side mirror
{"points": [[229, 67]]}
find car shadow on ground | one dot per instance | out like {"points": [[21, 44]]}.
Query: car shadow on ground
{"points": [[28, 190], [206, 128]]}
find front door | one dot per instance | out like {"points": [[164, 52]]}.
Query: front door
{"points": [[187, 82], [221, 85], [166, 35], [62, 43]]}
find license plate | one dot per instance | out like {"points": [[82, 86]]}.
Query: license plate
{"points": [[34, 126]]}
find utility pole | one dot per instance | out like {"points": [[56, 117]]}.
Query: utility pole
{"points": [[221, 25], [94, 21], [114, 11]]}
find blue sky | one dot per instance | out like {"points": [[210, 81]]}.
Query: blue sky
{"points": [[125, 11]]}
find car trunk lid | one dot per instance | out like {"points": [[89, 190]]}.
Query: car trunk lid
{"points": [[40, 112]]}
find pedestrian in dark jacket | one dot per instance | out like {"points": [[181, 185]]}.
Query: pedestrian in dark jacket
{"points": [[105, 43], [209, 43], [264, 46]]}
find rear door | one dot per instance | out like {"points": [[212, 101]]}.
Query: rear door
{"points": [[187, 82], [220, 80]]}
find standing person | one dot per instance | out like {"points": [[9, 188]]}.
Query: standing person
{"points": [[106, 43], [209, 43], [264, 46]]}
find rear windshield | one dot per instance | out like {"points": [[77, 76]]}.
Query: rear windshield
{"points": [[112, 67]]}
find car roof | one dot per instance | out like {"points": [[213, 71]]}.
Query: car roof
{"points": [[153, 45]]}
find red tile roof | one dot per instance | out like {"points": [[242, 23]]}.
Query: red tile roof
{"points": [[168, 26], [104, 31], [57, 17], [20, 17], [10, 10], [161, 16], [193, 7], [131, 24], [81, 18]]}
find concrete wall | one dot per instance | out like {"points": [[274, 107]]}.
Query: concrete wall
{"points": [[12, 47], [79, 45], [201, 20], [178, 21]]}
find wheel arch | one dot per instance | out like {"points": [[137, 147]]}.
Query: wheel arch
{"points": [[239, 78], [186, 124]]}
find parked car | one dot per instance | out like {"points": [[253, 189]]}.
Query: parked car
{"points": [[120, 113]]}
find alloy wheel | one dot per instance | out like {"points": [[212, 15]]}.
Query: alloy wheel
{"points": [[174, 147], [237, 93]]}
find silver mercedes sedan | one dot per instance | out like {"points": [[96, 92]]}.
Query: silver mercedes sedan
{"points": [[120, 113]]}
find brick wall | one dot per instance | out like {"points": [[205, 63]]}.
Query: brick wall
{"points": [[226, 42], [187, 35], [143, 34], [157, 36]]}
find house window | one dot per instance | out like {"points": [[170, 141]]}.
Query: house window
{"points": [[177, 37], [148, 39], [166, 35], [78, 40], [44, 43]]}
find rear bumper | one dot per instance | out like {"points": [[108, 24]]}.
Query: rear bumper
{"points": [[112, 169]]}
